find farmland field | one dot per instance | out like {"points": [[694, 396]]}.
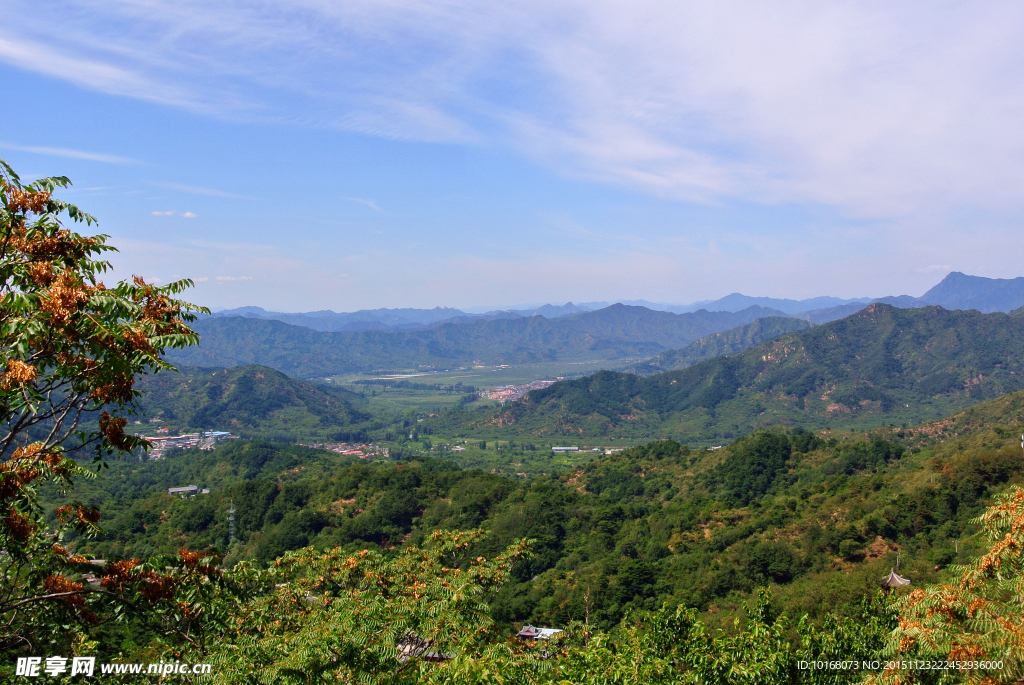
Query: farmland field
{"points": [[446, 392]]}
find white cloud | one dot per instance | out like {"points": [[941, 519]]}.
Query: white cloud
{"points": [[369, 203], [196, 190], [225, 279], [188, 215], [169, 212], [933, 268], [877, 108], [85, 70], [71, 154]]}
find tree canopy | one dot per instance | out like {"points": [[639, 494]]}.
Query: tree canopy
{"points": [[71, 348]]}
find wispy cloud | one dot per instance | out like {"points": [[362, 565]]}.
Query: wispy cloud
{"points": [[259, 248], [876, 108], [171, 212], [369, 203], [188, 215], [225, 279], [88, 67], [71, 154], [196, 190], [934, 267]]}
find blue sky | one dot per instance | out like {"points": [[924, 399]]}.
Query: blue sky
{"points": [[312, 154]]}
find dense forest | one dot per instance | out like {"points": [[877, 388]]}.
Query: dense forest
{"points": [[690, 565], [821, 516]]}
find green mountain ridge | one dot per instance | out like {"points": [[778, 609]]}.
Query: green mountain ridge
{"points": [[616, 332], [249, 400], [715, 345], [878, 366]]}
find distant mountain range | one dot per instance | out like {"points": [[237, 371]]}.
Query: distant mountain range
{"points": [[393, 319], [616, 332], [878, 366], [955, 291], [363, 320], [327, 343]]}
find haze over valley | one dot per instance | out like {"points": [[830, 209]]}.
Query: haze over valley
{"points": [[623, 371]]}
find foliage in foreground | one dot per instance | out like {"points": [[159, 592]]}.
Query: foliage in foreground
{"points": [[821, 520], [978, 615], [419, 617], [326, 616], [71, 347]]}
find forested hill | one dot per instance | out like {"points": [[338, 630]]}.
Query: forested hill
{"points": [[717, 344], [819, 517], [879, 366], [615, 332], [247, 400]]}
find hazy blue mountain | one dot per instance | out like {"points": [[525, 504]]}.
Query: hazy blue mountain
{"points": [[903, 301], [551, 311], [489, 316], [727, 342], [548, 311], [396, 319], [820, 316], [955, 291], [960, 291], [738, 301], [626, 322], [615, 332], [366, 319]]}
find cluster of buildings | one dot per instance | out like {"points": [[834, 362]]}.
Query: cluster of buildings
{"points": [[204, 441], [573, 448], [187, 491], [412, 646], [362, 450], [507, 393]]}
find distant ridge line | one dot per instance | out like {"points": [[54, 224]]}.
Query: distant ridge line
{"points": [[956, 291]]}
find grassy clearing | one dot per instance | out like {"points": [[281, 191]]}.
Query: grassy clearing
{"points": [[493, 376], [445, 393], [514, 457]]}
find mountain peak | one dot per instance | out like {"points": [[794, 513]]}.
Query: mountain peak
{"points": [[962, 291]]}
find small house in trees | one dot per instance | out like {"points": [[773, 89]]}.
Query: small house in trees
{"points": [[532, 633], [892, 580]]}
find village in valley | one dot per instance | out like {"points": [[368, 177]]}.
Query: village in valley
{"points": [[509, 393]]}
